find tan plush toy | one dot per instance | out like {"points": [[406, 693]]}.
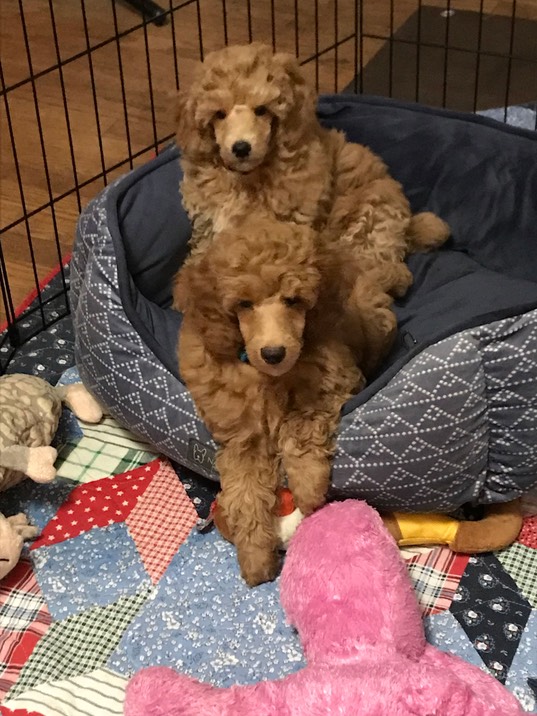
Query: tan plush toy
{"points": [[499, 527], [13, 531], [30, 410]]}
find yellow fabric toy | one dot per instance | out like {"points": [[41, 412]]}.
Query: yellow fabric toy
{"points": [[499, 528]]}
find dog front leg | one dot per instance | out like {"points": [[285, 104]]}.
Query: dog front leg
{"points": [[249, 478], [307, 445]]}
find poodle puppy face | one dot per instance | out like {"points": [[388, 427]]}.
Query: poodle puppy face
{"points": [[272, 319], [244, 98], [257, 284], [243, 133]]}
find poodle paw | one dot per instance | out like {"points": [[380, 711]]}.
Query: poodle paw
{"points": [[19, 524], [259, 567], [40, 467], [308, 506], [401, 286], [387, 322], [309, 491]]}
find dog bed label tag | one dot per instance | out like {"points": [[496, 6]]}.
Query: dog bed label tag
{"points": [[201, 454]]}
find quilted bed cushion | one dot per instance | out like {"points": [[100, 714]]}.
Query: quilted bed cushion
{"points": [[452, 415]]}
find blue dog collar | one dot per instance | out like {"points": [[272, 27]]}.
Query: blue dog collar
{"points": [[243, 356]]}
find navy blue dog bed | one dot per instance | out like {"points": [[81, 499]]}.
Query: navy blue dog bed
{"points": [[452, 416]]}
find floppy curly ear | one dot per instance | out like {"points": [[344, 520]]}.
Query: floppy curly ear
{"points": [[296, 93], [192, 137], [196, 294]]}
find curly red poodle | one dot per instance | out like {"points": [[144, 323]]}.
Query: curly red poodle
{"points": [[251, 143], [271, 347]]}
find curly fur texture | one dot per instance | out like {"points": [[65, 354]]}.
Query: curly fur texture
{"points": [[268, 284], [294, 170]]}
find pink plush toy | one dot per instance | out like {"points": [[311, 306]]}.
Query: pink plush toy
{"points": [[346, 590]]}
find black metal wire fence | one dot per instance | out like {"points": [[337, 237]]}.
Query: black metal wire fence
{"points": [[87, 92]]}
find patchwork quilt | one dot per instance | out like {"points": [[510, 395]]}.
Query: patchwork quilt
{"points": [[120, 578]]}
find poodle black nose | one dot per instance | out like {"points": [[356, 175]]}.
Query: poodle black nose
{"points": [[273, 354], [241, 149]]}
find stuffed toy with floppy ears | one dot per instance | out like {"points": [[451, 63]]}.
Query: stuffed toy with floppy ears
{"points": [[346, 590], [30, 410]]}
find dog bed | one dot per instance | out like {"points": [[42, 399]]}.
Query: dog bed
{"points": [[452, 416]]}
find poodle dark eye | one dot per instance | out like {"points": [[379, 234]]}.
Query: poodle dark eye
{"points": [[292, 301], [220, 114], [261, 110], [244, 305]]}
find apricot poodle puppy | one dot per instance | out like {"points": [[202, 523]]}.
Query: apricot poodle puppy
{"points": [[251, 143], [270, 352]]}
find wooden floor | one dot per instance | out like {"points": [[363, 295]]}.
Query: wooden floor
{"points": [[84, 136]]}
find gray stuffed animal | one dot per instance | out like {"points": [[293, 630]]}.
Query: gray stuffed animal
{"points": [[30, 410]]}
